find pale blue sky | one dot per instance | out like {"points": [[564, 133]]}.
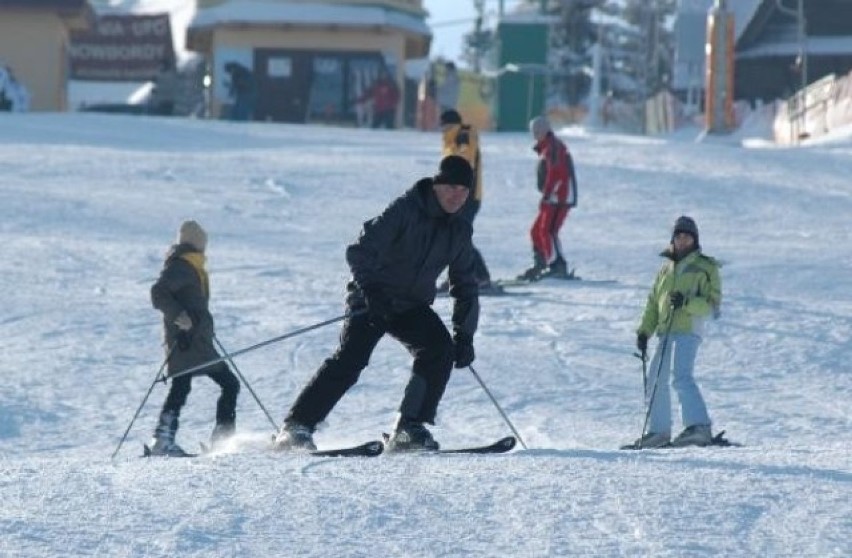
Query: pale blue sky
{"points": [[447, 38]]}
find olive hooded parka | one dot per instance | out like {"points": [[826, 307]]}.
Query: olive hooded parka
{"points": [[183, 286]]}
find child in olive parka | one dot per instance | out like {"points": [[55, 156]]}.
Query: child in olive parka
{"points": [[686, 292], [182, 294]]}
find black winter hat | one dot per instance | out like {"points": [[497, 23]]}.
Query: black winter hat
{"points": [[686, 225], [455, 170], [450, 116]]}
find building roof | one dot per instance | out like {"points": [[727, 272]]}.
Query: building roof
{"points": [[52, 5], [264, 13], [78, 14], [691, 24], [742, 10], [825, 46], [691, 31]]}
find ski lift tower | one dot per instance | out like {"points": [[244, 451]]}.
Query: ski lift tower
{"points": [[719, 49]]}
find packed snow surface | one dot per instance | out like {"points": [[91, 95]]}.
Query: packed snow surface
{"points": [[90, 203]]}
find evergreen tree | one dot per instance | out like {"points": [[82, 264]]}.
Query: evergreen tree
{"points": [[571, 41], [478, 42], [655, 42], [636, 40], [571, 36]]}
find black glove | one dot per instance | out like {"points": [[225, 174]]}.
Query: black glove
{"points": [[464, 350], [379, 307], [642, 343], [677, 299], [184, 340]]}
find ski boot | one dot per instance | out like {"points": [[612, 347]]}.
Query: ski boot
{"points": [[294, 437], [652, 440], [558, 270], [411, 435], [222, 432], [534, 272], [695, 435], [163, 442]]}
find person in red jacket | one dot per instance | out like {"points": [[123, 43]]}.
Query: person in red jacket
{"points": [[557, 183], [384, 95]]}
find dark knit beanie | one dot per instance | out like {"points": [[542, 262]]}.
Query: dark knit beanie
{"points": [[687, 225], [455, 170], [450, 116]]}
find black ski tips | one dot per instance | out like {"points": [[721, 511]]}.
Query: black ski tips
{"points": [[500, 446], [372, 448], [720, 440]]}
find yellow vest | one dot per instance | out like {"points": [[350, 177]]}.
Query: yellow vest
{"points": [[463, 140]]}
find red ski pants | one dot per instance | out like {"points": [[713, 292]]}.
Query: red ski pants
{"points": [[545, 230]]}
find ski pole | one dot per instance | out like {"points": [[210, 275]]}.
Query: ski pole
{"points": [[244, 381], [662, 353], [150, 389], [294, 333], [499, 409]]}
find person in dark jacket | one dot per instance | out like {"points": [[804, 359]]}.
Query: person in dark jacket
{"points": [[182, 294], [242, 89], [395, 263]]}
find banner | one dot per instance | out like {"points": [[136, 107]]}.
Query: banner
{"points": [[123, 48]]}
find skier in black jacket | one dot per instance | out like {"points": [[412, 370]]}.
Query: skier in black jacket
{"points": [[395, 263], [182, 294]]}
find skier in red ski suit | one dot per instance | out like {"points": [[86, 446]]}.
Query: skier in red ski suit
{"points": [[557, 183]]}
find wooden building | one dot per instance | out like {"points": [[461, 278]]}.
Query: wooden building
{"points": [[768, 53], [310, 60], [34, 39], [768, 46]]}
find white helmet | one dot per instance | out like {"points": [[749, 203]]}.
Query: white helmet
{"points": [[539, 126]]}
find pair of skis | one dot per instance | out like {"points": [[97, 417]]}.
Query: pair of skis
{"points": [[520, 281], [370, 449], [375, 448], [718, 440], [499, 288], [494, 289], [506, 287]]}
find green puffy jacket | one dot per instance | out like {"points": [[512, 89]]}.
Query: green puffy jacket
{"points": [[696, 276]]}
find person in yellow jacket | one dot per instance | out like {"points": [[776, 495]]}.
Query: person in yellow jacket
{"points": [[463, 140], [686, 292]]}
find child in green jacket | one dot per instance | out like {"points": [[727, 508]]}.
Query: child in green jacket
{"points": [[686, 292]]}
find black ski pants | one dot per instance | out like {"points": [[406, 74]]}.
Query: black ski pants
{"points": [[226, 406], [420, 330]]}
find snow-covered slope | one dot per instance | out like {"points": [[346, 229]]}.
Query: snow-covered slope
{"points": [[90, 203]]}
